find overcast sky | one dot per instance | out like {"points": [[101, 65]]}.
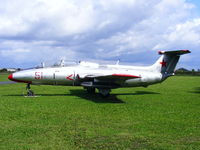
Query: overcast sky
{"points": [[130, 30]]}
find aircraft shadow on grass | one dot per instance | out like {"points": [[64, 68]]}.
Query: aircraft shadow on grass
{"points": [[195, 90], [95, 97], [111, 99]]}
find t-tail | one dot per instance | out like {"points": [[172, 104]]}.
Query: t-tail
{"points": [[167, 62]]}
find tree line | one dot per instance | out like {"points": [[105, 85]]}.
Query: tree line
{"points": [[183, 71]]}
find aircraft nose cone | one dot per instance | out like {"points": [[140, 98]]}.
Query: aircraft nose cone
{"points": [[10, 77]]}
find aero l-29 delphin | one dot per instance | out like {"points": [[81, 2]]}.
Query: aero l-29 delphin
{"points": [[102, 77]]}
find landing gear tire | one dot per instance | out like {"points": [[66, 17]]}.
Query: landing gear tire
{"points": [[104, 92], [29, 91], [90, 90]]}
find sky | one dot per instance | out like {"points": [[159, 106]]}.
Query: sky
{"points": [[133, 31]]}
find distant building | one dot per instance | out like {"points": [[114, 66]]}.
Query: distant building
{"points": [[11, 69]]}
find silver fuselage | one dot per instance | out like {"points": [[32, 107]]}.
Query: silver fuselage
{"points": [[73, 75]]}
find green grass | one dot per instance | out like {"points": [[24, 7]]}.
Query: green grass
{"points": [[162, 116], [4, 77]]}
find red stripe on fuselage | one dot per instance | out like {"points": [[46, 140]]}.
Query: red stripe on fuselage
{"points": [[126, 75]]}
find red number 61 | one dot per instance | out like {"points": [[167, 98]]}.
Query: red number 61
{"points": [[38, 75]]}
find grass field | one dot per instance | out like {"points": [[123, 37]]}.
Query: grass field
{"points": [[162, 116], [4, 77]]}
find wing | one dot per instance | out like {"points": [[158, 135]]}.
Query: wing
{"points": [[106, 81]]}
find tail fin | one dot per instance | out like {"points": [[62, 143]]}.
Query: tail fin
{"points": [[167, 62]]}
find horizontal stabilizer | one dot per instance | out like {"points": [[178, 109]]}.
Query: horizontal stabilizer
{"points": [[175, 52]]}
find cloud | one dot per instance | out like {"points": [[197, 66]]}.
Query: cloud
{"points": [[46, 30]]}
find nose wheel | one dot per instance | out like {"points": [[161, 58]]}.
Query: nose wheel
{"points": [[29, 91]]}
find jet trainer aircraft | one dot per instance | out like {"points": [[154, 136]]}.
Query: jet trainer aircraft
{"points": [[102, 77]]}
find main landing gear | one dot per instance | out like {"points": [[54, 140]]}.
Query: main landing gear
{"points": [[29, 91], [104, 92], [90, 90]]}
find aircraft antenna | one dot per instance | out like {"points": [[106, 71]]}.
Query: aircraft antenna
{"points": [[117, 63]]}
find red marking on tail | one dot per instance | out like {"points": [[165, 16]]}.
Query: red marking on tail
{"points": [[163, 63]]}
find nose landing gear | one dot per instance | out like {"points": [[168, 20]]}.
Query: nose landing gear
{"points": [[29, 91]]}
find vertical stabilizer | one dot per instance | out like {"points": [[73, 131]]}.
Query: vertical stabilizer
{"points": [[167, 62]]}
